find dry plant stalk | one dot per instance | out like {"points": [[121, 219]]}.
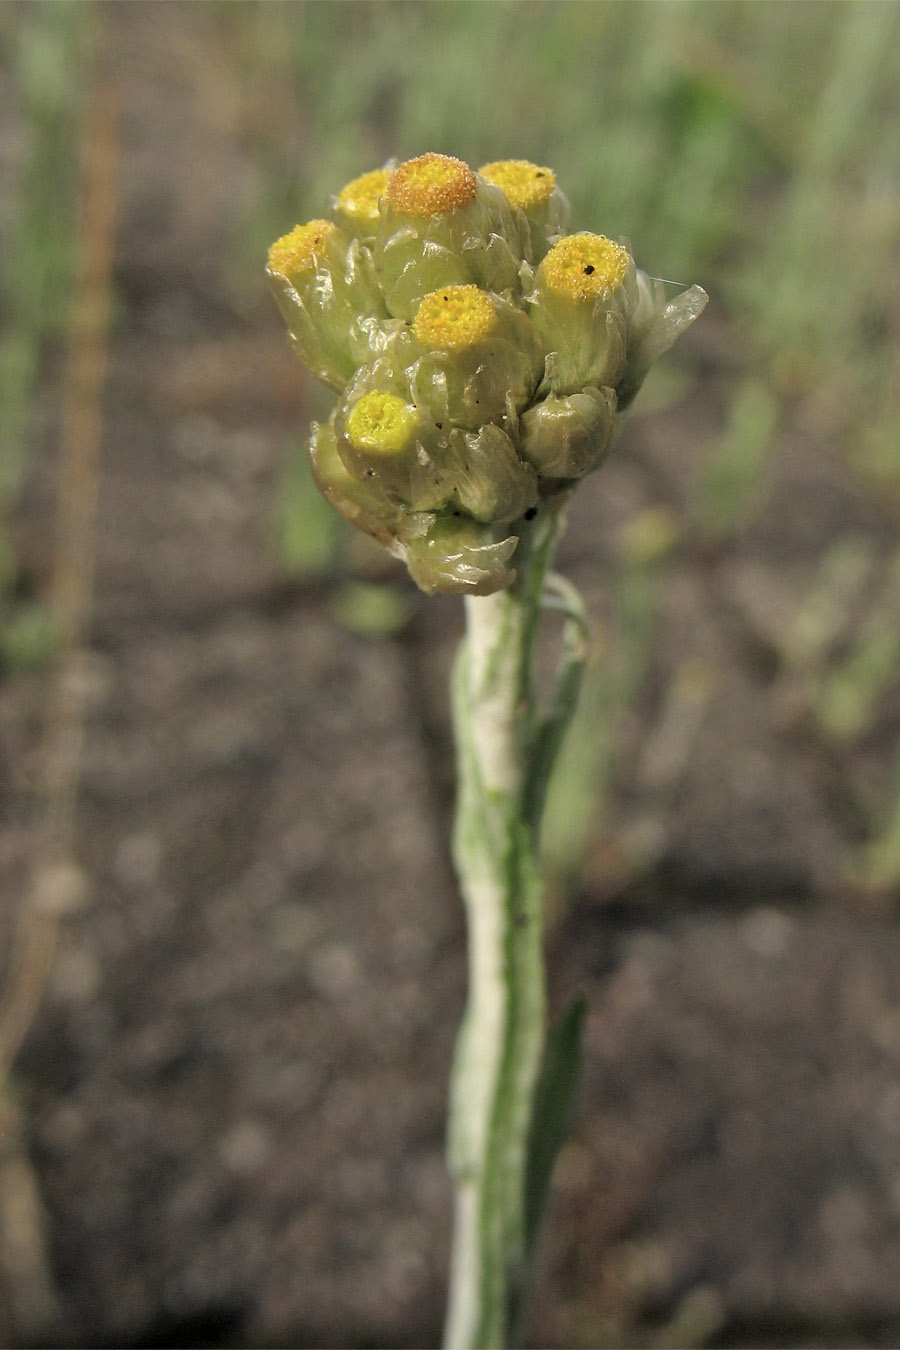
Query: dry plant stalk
{"points": [[55, 883]]}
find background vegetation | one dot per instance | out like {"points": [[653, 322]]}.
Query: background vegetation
{"points": [[749, 145]]}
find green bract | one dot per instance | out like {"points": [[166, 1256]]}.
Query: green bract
{"points": [[480, 355]]}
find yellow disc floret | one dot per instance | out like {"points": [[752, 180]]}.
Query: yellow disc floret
{"points": [[381, 424], [585, 267], [431, 185], [299, 250], [455, 317], [523, 184], [359, 199]]}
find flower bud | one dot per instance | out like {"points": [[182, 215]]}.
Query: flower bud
{"points": [[579, 305], [358, 502], [532, 189], [567, 436], [384, 442], [472, 356], [441, 225], [457, 556], [357, 204], [327, 292]]}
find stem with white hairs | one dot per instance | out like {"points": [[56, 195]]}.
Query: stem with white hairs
{"points": [[501, 1042]]}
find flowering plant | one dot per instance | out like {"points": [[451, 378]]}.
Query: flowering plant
{"points": [[481, 355]]}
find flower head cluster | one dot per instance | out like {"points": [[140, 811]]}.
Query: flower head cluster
{"points": [[479, 351]]}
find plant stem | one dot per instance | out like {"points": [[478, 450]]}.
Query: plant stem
{"points": [[501, 1041]]}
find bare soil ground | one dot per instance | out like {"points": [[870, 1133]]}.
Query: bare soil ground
{"points": [[232, 1098]]}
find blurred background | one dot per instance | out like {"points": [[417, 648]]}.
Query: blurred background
{"points": [[231, 954]]}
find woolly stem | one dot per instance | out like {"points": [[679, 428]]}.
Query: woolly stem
{"points": [[501, 1041]]}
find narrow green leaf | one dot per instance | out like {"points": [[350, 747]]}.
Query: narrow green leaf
{"points": [[554, 1099], [550, 731]]}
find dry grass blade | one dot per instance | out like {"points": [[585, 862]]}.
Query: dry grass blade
{"points": [[55, 882]]}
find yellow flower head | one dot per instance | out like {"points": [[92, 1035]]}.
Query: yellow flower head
{"points": [[585, 267], [480, 353], [454, 318], [381, 424], [523, 184], [431, 185], [299, 250], [359, 199]]}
